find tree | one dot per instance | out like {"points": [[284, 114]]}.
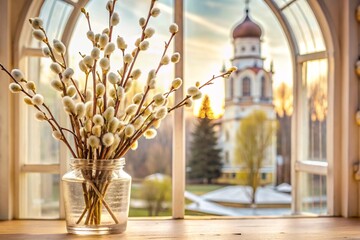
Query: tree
{"points": [[155, 190], [254, 136], [283, 101], [205, 110], [205, 160]]}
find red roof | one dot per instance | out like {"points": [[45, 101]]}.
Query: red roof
{"points": [[254, 69]]}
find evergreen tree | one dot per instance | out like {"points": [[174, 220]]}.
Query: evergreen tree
{"points": [[205, 110], [205, 161]]}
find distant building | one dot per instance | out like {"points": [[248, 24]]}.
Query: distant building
{"points": [[246, 90]]}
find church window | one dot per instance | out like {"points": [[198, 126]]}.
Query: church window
{"points": [[243, 49], [263, 176], [263, 86], [246, 86], [253, 48]]}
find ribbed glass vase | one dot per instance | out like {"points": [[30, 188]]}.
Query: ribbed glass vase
{"points": [[96, 196]]}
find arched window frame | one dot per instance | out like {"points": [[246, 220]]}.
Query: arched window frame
{"points": [[299, 165], [297, 61]]}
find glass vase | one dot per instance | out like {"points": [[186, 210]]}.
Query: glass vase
{"points": [[96, 196]]}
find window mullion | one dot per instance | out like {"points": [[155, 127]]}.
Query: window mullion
{"points": [[6, 135], [40, 168], [313, 167], [178, 164], [311, 56], [33, 52]]}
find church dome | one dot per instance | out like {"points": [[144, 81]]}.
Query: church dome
{"points": [[247, 28]]}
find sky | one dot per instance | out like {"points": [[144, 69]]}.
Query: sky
{"points": [[208, 36], [208, 42]]}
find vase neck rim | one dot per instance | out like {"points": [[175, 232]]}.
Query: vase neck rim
{"points": [[97, 164]]}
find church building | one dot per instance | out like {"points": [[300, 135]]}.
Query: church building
{"points": [[246, 90]]}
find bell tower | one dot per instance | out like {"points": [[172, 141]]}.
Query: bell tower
{"points": [[247, 89]]}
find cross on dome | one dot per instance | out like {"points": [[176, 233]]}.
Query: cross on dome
{"points": [[247, 6]]}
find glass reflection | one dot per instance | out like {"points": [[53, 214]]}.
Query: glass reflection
{"points": [[315, 79], [313, 194], [55, 14], [42, 194], [43, 148], [305, 27]]}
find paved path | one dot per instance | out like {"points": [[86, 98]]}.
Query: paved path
{"points": [[201, 205], [240, 194]]}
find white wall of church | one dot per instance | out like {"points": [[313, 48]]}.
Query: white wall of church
{"points": [[239, 111], [247, 47], [241, 63], [228, 88]]}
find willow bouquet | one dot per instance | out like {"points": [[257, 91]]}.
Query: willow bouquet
{"points": [[102, 124]]}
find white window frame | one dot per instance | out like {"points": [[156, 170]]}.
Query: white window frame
{"points": [[178, 142]]}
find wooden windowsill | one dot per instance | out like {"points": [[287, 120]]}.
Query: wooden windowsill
{"points": [[273, 228]]}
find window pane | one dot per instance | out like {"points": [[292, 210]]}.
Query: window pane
{"points": [[151, 168], [305, 27], [313, 189], [314, 98], [42, 195], [317, 40], [210, 47], [55, 14], [150, 165], [42, 147]]}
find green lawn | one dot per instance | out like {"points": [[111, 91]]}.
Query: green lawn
{"points": [[198, 189], [201, 189], [142, 212]]}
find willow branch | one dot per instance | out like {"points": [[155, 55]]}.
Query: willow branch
{"points": [[110, 15], [52, 55], [93, 70], [141, 39], [57, 127], [209, 82]]}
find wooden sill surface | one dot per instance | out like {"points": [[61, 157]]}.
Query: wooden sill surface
{"points": [[278, 228]]}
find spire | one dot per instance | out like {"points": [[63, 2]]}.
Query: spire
{"points": [[223, 68], [247, 7]]}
